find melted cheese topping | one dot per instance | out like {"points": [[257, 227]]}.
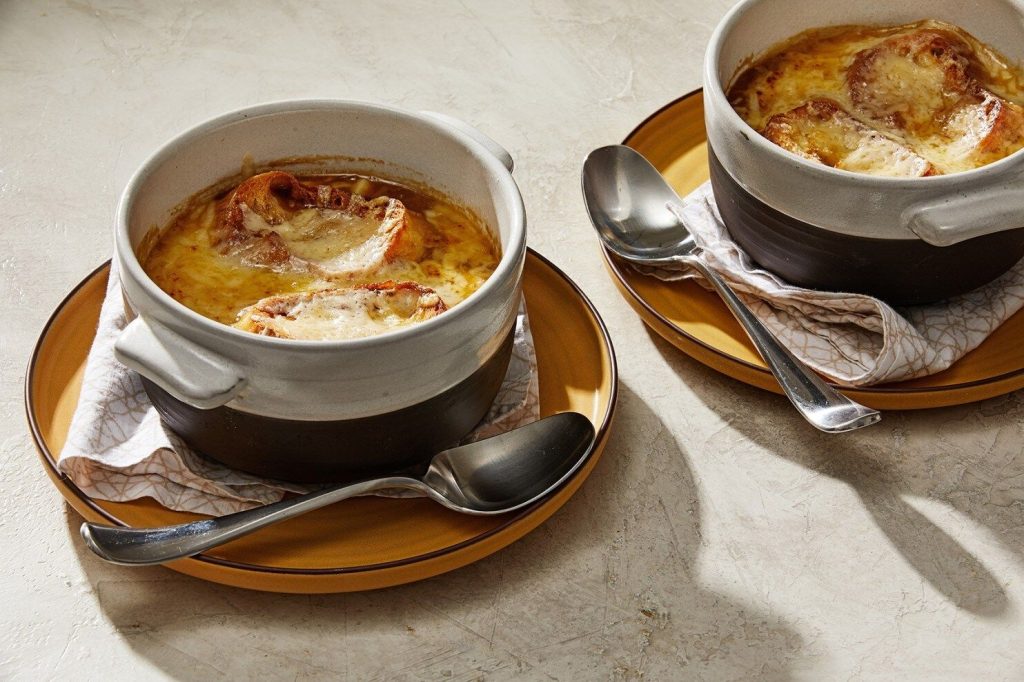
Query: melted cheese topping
{"points": [[955, 119], [218, 285], [876, 155], [345, 313], [336, 239], [821, 131]]}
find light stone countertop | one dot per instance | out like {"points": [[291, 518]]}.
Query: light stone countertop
{"points": [[719, 537]]}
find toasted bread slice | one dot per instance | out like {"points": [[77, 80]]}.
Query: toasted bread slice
{"points": [[342, 313], [909, 80], [273, 220], [923, 84], [821, 130]]}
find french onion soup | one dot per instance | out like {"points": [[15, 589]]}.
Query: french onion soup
{"points": [[915, 100], [321, 257]]}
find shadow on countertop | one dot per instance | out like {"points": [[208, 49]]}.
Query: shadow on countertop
{"points": [[606, 587], [962, 470]]}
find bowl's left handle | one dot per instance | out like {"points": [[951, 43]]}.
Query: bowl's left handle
{"points": [[490, 145], [186, 370], [963, 217]]}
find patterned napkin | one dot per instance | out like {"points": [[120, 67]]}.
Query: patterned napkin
{"points": [[855, 339], [118, 449]]}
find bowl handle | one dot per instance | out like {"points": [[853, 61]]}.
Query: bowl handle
{"points": [[184, 369], [960, 218], [490, 145]]}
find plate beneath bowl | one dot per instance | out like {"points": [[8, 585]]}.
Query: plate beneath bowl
{"points": [[698, 323], [363, 543]]}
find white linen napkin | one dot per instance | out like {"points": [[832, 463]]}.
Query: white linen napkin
{"points": [[118, 449], [855, 339]]}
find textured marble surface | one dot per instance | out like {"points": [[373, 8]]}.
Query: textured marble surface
{"points": [[719, 538]]}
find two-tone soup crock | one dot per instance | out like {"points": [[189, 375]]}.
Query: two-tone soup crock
{"points": [[304, 410], [906, 240]]}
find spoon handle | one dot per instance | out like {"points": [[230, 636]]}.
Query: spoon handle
{"points": [[147, 546], [820, 404]]}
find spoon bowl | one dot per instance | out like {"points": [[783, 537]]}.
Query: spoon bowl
{"points": [[511, 470], [628, 201], [491, 476], [628, 205]]}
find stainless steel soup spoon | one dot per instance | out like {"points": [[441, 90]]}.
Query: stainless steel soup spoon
{"points": [[491, 476], [628, 199]]}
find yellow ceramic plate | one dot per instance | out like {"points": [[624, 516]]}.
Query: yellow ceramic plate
{"points": [[363, 543], [698, 323]]}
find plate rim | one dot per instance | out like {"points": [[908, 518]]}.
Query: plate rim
{"points": [[887, 390], [601, 436]]}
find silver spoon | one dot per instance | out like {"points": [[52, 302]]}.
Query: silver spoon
{"points": [[628, 203], [491, 476]]}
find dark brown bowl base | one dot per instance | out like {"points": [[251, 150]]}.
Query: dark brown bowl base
{"points": [[336, 451], [898, 271]]}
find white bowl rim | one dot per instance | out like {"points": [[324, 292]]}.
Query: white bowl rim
{"points": [[713, 88], [511, 255]]}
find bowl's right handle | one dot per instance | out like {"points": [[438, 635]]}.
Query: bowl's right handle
{"points": [[950, 221], [490, 145], [189, 372]]}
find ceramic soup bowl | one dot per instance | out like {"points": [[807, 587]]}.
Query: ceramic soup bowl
{"points": [[323, 410], [907, 241]]}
